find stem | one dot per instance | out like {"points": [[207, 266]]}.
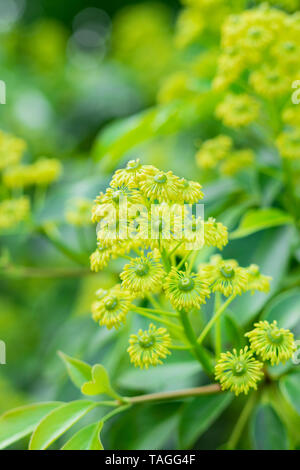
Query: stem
{"points": [[213, 320], [60, 245], [172, 252], [190, 392], [218, 328], [183, 261], [199, 352], [241, 422], [157, 312], [153, 301], [159, 320]]}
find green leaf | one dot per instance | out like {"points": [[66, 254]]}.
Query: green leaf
{"points": [[267, 430], [233, 331], [260, 219], [87, 438], [79, 371], [118, 138], [198, 415], [290, 387], [166, 377], [100, 383], [20, 422], [285, 309], [52, 426], [271, 252]]}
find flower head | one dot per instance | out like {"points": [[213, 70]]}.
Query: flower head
{"points": [[213, 151], [79, 212], [160, 186], [13, 211], [186, 290], [129, 176], [190, 191], [272, 343], [258, 281], [226, 276], [100, 258], [237, 161], [11, 150], [147, 348], [111, 307], [288, 144], [238, 110], [238, 372], [143, 274], [215, 233]]}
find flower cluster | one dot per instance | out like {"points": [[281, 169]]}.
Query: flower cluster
{"points": [[141, 218], [228, 278], [260, 51], [146, 207], [15, 176], [239, 372], [78, 212], [41, 173], [219, 153]]}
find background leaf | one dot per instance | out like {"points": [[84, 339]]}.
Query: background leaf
{"points": [[260, 219], [87, 438], [79, 371], [290, 388], [198, 415], [267, 430], [57, 422], [21, 421]]}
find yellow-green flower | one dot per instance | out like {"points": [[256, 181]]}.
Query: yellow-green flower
{"points": [[190, 192], [161, 186], [100, 258], [11, 150], [13, 211], [288, 144], [112, 307], [45, 171], [270, 82], [238, 110], [237, 161], [215, 233], [174, 87], [258, 281], [147, 348], [143, 274], [272, 343], [18, 176], [213, 151], [79, 212], [238, 372], [226, 276], [186, 290], [130, 175]]}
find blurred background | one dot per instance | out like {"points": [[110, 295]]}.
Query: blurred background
{"points": [[82, 79]]}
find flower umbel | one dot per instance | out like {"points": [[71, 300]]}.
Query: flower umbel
{"points": [[238, 372], [147, 348], [272, 343], [112, 307]]}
